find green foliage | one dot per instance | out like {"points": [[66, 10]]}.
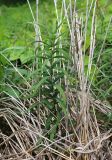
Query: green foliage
{"points": [[49, 87], [11, 2]]}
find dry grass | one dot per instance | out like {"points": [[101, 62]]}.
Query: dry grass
{"points": [[23, 137]]}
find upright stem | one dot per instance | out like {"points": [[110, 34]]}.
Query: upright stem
{"points": [[36, 25]]}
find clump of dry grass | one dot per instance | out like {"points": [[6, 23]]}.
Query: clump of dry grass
{"points": [[84, 140], [24, 138]]}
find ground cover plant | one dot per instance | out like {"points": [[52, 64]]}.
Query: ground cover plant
{"points": [[56, 80]]}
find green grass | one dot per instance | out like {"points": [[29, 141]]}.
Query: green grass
{"points": [[18, 36]]}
